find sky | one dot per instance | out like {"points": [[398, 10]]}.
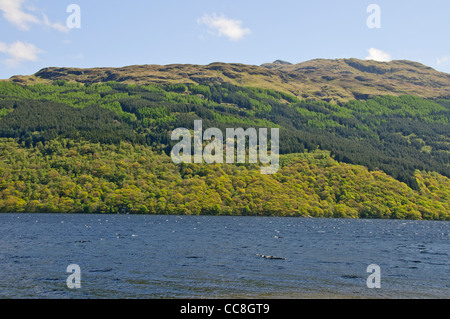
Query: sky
{"points": [[35, 34]]}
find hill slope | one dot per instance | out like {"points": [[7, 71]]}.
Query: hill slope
{"points": [[328, 80], [82, 177], [357, 138]]}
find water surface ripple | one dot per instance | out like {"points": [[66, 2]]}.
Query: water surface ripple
{"points": [[131, 256]]}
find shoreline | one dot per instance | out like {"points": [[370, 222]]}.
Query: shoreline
{"points": [[225, 215]]}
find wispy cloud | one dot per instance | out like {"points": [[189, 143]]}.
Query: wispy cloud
{"points": [[443, 60], [19, 52], [79, 56], [54, 25], [15, 13], [222, 26], [378, 55]]}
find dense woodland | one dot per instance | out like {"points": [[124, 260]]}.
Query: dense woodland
{"points": [[69, 147], [83, 177]]}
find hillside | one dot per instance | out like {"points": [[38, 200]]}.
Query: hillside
{"points": [[358, 139], [82, 177], [328, 80]]}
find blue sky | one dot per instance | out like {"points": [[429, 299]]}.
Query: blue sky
{"points": [[34, 33]]}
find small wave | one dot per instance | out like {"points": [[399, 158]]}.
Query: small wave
{"points": [[433, 253], [101, 270], [350, 276]]}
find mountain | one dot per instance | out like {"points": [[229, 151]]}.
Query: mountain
{"points": [[359, 139], [328, 80], [276, 64]]}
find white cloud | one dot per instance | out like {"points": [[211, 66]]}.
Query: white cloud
{"points": [[222, 26], [444, 60], [19, 52], [378, 55], [14, 13]]}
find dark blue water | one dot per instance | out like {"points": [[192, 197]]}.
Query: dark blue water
{"points": [[218, 257]]}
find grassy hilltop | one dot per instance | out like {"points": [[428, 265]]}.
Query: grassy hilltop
{"points": [[328, 80]]}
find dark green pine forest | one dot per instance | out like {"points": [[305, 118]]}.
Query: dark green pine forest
{"points": [[71, 147]]}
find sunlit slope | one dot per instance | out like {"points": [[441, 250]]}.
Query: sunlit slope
{"points": [[329, 80]]}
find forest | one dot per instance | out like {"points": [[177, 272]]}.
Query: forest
{"points": [[103, 147]]}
